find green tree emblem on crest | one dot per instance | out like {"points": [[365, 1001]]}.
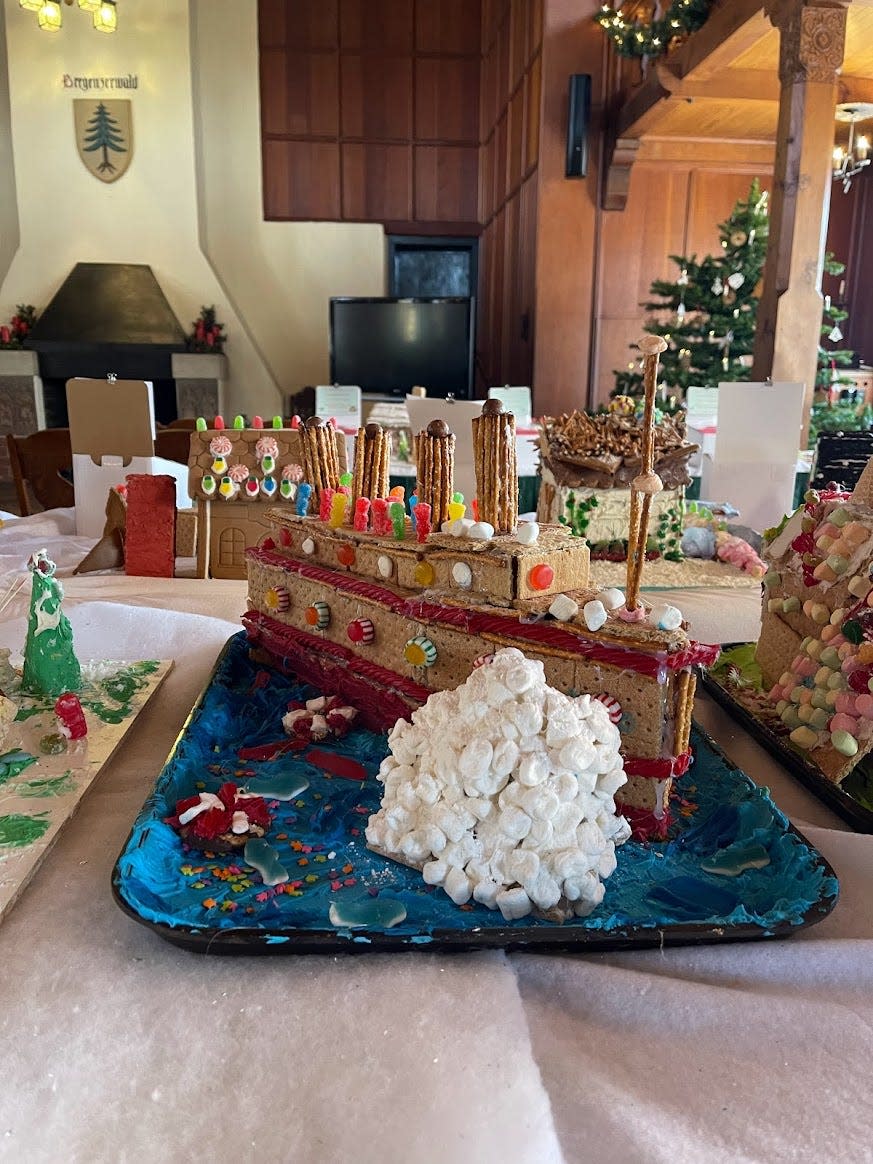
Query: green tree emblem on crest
{"points": [[102, 133]]}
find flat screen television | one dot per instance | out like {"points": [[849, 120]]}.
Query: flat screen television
{"points": [[388, 346]]}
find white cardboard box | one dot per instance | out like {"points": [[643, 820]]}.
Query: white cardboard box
{"points": [[112, 432]]}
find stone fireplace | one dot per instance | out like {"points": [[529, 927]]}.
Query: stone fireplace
{"points": [[105, 318]]}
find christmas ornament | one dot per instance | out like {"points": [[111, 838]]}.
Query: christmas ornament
{"points": [[736, 280], [682, 281], [835, 335], [680, 313], [739, 238], [717, 286]]}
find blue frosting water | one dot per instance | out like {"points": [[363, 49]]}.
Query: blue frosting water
{"points": [[725, 823]]}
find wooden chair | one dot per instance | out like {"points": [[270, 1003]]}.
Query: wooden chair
{"points": [[38, 462]]}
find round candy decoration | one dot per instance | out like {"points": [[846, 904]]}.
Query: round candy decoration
{"points": [[420, 652], [277, 599], [308, 546], [462, 575], [385, 566], [611, 704], [318, 615], [361, 630], [541, 576], [345, 554], [424, 573]]}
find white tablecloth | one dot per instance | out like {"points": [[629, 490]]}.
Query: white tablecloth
{"points": [[119, 1047]]}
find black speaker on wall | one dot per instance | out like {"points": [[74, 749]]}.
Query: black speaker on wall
{"points": [[578, 115]]}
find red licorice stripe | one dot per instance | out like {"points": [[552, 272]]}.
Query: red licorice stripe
{"points": [[280, 639], [507, 626], [644, 824], [345, 766], [660, 769]]}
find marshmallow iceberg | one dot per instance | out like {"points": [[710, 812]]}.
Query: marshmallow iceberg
{"points": [[501, 791]]}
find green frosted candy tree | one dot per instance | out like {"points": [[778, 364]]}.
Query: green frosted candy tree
{"points": [[50, 665]]}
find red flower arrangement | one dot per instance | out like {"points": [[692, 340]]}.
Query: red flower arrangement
{"points": [[208, 334], [13, 334]]}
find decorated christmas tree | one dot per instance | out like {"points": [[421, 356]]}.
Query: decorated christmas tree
{"points": [[50, 666], [707, 313], [830, 357]]}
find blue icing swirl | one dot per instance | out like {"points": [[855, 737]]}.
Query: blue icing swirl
{"points": [[318, 836]]}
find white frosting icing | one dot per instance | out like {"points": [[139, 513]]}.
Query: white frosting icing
{"points": [[502, 791]]}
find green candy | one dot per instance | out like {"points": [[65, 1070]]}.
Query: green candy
{"points": [[771, 579], [844, 743], [830, 657], [791, 604], [840, 516], [819, 718], [200, 424]]}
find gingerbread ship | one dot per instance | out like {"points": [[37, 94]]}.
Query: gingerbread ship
{"points": [[386, 602]]}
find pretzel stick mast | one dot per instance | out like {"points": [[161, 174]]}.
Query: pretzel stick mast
{"points": [[648, 483]]}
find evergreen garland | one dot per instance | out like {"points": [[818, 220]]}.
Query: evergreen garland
{"points": [[652, 38]]}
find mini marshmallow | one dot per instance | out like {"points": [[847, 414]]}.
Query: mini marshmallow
{"points": [[611, 597], [481, 531], [563, 608], [594, 613], [502, 791], [527, 533], [666, 617]]}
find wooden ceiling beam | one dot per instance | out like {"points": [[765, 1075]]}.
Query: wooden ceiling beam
{"points": [[855, 88], [730, 31]]}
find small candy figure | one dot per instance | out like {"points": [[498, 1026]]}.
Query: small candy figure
{"points": [[457, 509], [277, 422], [200, 424], [361, 519], [208, 484], [218, 423], [398, 493], [413, 501], [70, 717], [257, 422], [268, 486], [287, 489], [227, 489], [239, 422], [381, 521], [422, 520], [252, 487], [325, 502], [345, 480], [338, 509], [295, 422], [304, 491], [398, 520], [219, 466]]}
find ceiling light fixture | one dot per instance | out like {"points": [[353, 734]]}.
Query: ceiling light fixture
{"points": [[49, 13], [851, 159]]}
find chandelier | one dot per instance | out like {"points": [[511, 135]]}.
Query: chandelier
{"points": [[851, 159], [49, 14]]}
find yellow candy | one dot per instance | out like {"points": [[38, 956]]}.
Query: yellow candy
{"points": [[805, 713], [859, 586], [814, 648], [822, 675], [338, 504], [837, 617], [820, 613], [424, 574], [456, 510], [824, 543], [804, 737]]}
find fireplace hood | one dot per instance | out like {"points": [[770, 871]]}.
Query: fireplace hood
{"points": [[108, 318]]}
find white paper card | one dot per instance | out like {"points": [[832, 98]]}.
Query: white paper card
{"points": [[759, 422], [762, 493], [516, 400], [340, 401], [701, 402], [458, 415]]}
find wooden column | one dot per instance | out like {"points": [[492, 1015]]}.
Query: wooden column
{"points": [[812, 40]]}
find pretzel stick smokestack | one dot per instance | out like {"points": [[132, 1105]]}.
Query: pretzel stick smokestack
{"points": [[648, 483], [320, 461], [372, 454], [435, 461], [496, 468]]}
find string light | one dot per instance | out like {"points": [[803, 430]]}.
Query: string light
{"points": [[651, 38]]}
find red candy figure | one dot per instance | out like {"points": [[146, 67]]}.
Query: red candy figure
{"points": [[361, 520], [70, 717], [422, 520], [325, 501], [381, 520]]}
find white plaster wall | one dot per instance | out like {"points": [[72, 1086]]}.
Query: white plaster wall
{"points": [[149, 215], [8, 202], [280, 275]]}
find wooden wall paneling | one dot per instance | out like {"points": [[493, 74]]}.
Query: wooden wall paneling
{"points": [[301, 180], [527, 228], [532, 94], [376, 182], [501, 143], [299, 93], [498, 257], [487, 93], [519, 34], [446, 183], [535, 25], [379, 26], [486, 180], [635, 243], [515, 151], [512, 355], [503, 63], [300, 24], [483, 309], [447, 99], [376, 97], [447, 26]]}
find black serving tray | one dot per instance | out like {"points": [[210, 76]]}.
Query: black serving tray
{"points": [[157, 883], [795, 763]]}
